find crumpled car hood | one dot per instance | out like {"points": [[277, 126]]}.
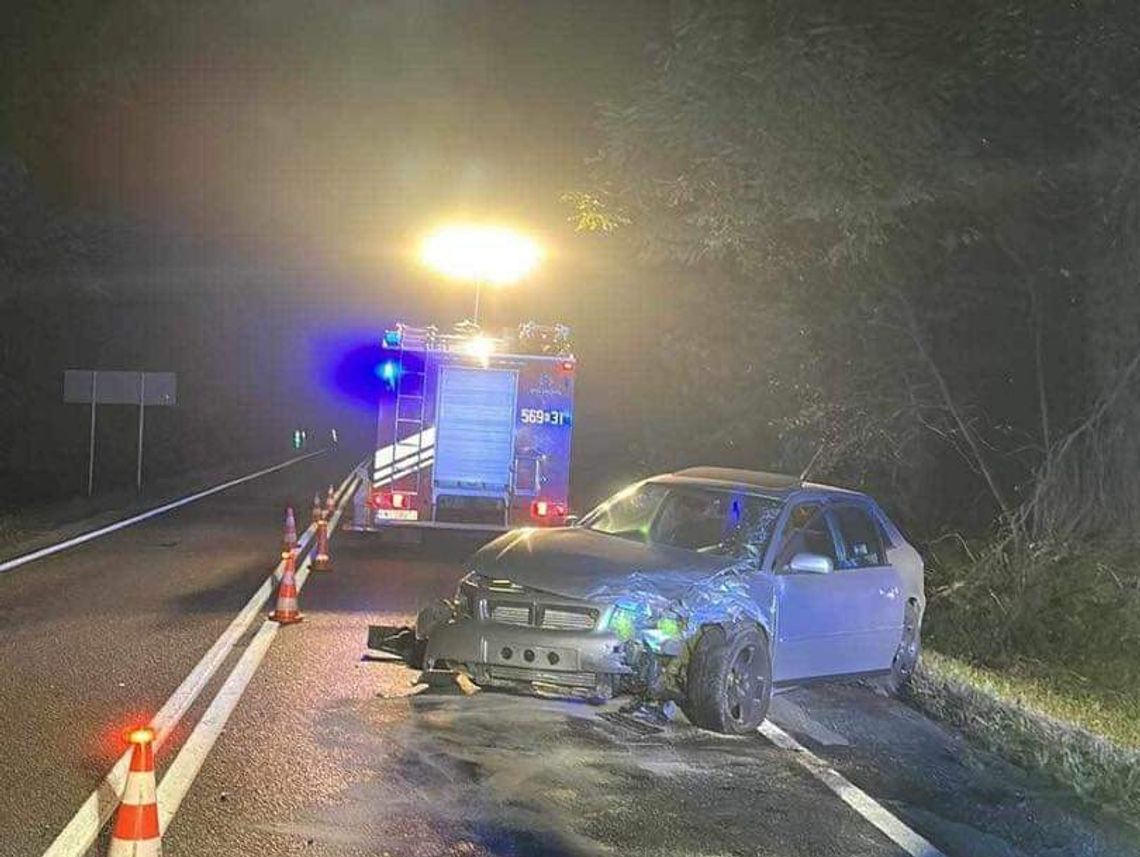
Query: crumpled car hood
{"points": [[579, 563]]}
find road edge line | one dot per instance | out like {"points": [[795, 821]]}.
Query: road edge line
{"points": [[866, 806], [180, 775], [91, 535], [79, 834]]}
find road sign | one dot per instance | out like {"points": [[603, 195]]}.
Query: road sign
{"points": [[120, 388], [96, 387]]}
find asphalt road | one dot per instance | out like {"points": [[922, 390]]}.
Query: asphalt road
{"points": [[328, 754], [97, 637]]}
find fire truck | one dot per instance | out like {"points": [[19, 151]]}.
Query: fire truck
{"points": [[473, 431]]}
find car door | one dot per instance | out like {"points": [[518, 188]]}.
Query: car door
{"points": [[842, 622], [876, 592], [813, 618]]}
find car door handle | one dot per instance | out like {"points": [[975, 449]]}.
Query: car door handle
{"points": [[892, 593]]}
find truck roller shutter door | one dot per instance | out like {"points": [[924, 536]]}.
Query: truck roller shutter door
{"points": [[475, 431]]}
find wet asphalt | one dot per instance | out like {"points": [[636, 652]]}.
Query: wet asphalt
{"points": [[330, 754], [97, 637]]}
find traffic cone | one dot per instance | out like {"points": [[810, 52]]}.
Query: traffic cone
{"points": [[136, 831], [286, 612], [318, 512], [289, 537], [330, 502], [322, 561]]}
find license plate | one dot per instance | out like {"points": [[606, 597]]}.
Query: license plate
{"points": [[397, 515]]}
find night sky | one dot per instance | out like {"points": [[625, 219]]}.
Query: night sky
{"points": [[242, 189], [332, 135]]}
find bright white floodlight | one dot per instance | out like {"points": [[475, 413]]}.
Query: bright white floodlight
{"points": [[481, 255]]}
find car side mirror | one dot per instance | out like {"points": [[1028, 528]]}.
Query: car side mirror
{"points": [[570, 520], [811, 563]]}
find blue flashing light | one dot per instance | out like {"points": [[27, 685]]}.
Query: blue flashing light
{"points": [[392, 338], [388, 372], [735, 512]]}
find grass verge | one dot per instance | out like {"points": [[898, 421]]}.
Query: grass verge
{"points": [[38, 526], [1072, 736], [12, 529]]}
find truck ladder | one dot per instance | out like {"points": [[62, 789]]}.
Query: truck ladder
{"points": [[411, 388]]}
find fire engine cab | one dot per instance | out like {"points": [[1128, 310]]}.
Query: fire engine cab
{"points": [[473, 431]]}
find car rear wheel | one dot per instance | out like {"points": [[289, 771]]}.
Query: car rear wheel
{"points": [[729, 682], [906, 655]]}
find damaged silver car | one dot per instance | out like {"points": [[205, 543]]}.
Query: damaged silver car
{"points": [[711, 587]]}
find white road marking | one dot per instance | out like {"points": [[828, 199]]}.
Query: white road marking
{"points": [[851, 794], [16, 562], [186, 765], [794, 717], [80, 833]]}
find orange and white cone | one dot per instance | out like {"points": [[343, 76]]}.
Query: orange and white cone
{"points": [[330, 502], [318, 510], [286, 612], [136, 831], [289, 536], [322, 561]]}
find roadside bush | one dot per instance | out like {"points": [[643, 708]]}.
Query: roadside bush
{"points": [[1067, 607], [1098, 770]]}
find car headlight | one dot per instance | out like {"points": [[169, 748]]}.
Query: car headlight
{"points": [[630, 619]]}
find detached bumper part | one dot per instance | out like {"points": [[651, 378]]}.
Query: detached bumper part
{"points": [[447, 680], [398, 640]]}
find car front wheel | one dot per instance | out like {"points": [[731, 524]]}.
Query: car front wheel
{"points": [[729, 681]]}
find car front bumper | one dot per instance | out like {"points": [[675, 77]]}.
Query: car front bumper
{"points": [[499, 654]]}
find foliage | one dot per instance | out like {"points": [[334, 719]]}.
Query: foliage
{"points": [[1043, 639], [915, 226], [593, 213], [1074, 607], [11, 529], [939, 199]]}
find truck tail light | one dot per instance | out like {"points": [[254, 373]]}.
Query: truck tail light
{"points": [[543, 509], [381, 499]]}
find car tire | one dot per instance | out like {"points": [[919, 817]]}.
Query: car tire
{"points": [[728, 686], [897, 682]]}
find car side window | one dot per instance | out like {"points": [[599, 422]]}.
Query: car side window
{"points": [[805, 531], [860, 544]]}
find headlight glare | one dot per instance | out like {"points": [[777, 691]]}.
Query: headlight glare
{"points": [[629, 619]]}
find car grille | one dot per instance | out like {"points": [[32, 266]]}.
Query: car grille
{"points": [[510, 614], [568, 620], [560, 618]]}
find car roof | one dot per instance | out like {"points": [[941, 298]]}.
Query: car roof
{"points": [[753, 481]]}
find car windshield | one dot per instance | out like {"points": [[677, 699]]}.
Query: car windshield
{"points": [[714, 521]]}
